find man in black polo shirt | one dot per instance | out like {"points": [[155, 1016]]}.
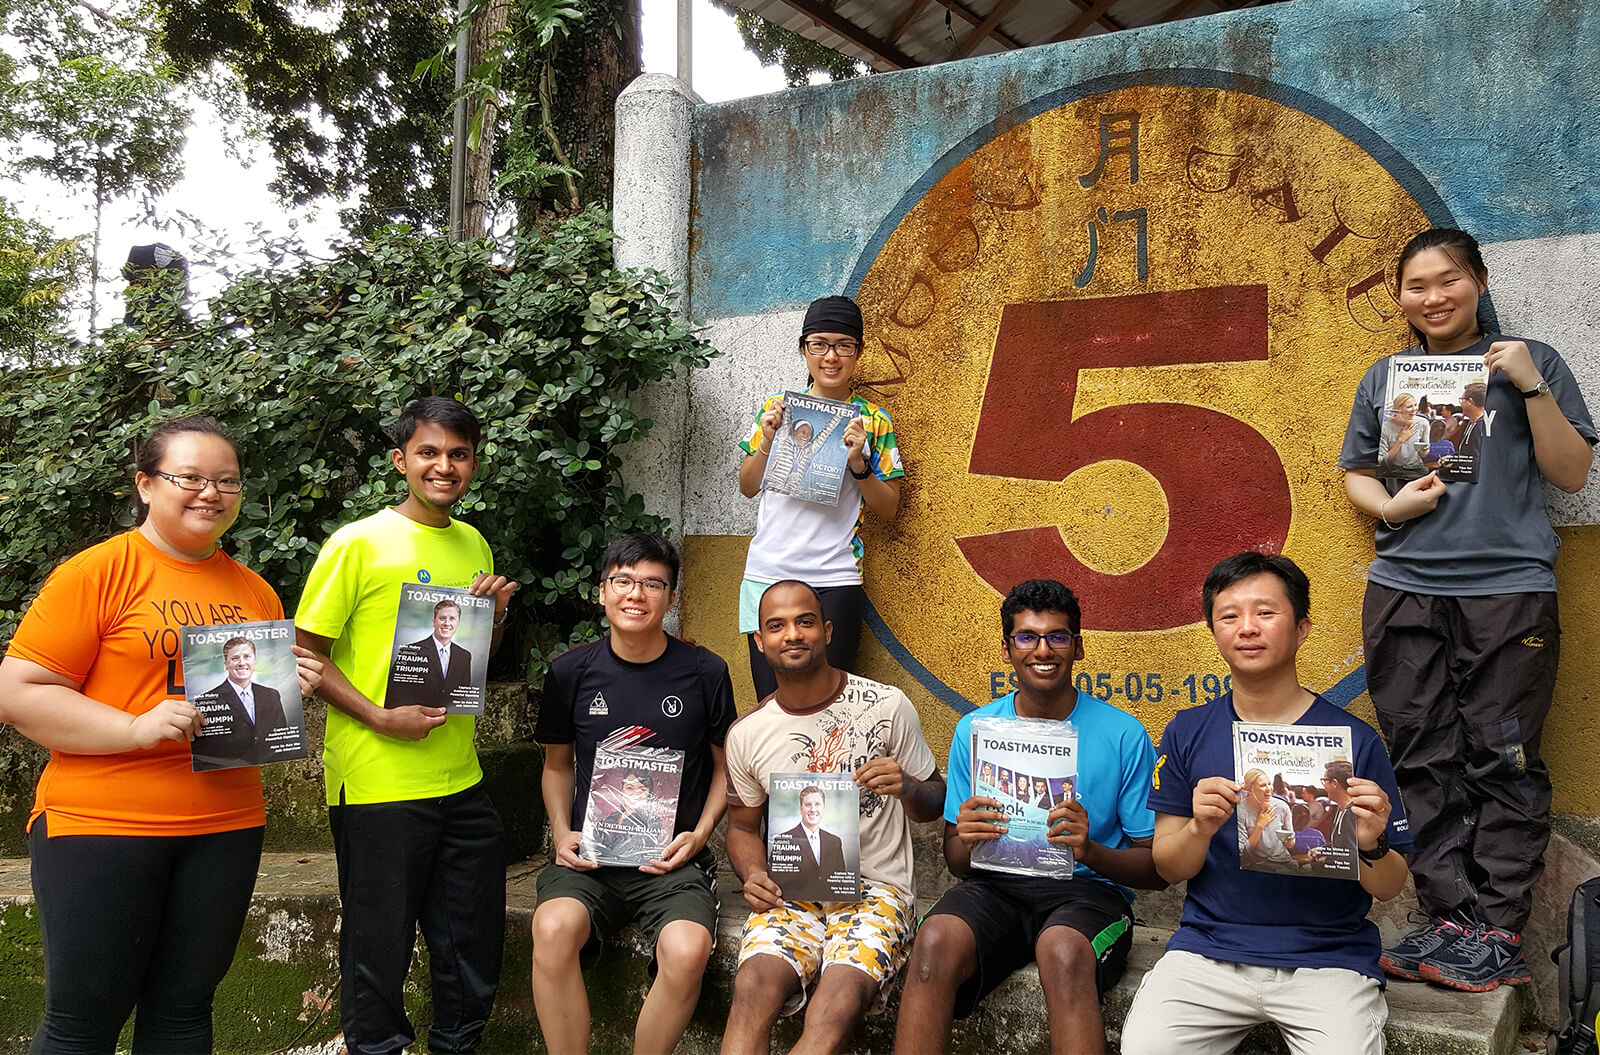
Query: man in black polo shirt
{"points": [[657, 691]]}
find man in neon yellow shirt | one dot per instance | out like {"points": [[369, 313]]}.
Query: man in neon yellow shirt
{"points": [[417, 839]]}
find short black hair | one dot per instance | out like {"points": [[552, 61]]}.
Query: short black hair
{"points": [[1242, 566], [812, 590], [1039, 595], [1339, 771], [637, 548], [1476, 391], [443, 411]]}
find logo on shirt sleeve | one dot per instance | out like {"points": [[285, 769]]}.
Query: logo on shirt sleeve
{"points": [[598, 704], [1155, 774]]}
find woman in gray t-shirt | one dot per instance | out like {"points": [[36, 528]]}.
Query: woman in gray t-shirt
{"points": [[1459, 619]]}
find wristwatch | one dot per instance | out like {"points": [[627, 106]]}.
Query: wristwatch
{"points": [[1377, 853], [1540, 389], [863, 474]]}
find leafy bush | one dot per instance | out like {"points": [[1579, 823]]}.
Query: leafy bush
{"points": [[542, 336]]}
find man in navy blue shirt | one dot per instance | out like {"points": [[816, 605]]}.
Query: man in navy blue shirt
{"points": [[1258, 946]]}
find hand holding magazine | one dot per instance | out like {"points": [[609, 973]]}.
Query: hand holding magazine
{"points": [[442, 636], [814, 836], [243, 679], [1029, 766], [809, 458], [1433, 418]]}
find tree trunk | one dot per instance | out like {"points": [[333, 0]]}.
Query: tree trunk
{"points": [[588, 72], [488, 21], [94, 259], [611, 59]]}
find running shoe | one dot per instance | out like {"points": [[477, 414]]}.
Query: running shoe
{"points": [[1482, 959], [1405, 958]]}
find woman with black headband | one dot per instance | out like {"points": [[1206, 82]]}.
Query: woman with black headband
{"points": [[820, 544]]}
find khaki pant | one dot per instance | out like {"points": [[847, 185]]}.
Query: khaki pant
{"points": [[1199, 1006]]}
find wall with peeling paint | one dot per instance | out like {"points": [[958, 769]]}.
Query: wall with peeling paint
{"points": [[1011, 225]]}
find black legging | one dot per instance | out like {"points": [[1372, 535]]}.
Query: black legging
{"points": [[137, 921], [842, 606]]}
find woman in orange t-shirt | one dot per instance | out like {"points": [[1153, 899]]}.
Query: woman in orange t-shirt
{"points": [[142, 868]]}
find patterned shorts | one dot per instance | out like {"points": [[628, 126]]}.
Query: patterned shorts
{"points": [[871, 935]]}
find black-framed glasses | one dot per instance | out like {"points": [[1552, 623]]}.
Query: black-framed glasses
{"points": [[843, 349], [1027, 640], [624, 583], [228, 485]]}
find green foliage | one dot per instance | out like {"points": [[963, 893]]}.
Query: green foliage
{"points": [[355, 98], [799, 56], [36, 271], [110, 130], [542, 336], [332, 87]]}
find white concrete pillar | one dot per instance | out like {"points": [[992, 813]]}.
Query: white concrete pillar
{"points": [[650, 209]]}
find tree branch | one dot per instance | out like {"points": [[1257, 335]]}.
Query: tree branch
{"points": [[550, 132], [112, 20]]}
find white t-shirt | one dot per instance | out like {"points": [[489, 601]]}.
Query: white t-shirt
{"points": [[818, 544]]}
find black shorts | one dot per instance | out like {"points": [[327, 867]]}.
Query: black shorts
{"points": [[1008, 913], [618, 896]]}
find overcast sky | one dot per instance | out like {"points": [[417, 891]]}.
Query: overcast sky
{"points": [[231, 195]]}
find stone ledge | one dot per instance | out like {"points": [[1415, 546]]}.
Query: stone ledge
{"points": [[279, 993]]}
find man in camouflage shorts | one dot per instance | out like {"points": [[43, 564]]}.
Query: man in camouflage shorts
{"points": [[843, 954]]}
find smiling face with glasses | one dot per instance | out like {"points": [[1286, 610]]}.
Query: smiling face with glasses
{"points": [[1041, 648], [830, 359], [193, 497], [636, 597]]}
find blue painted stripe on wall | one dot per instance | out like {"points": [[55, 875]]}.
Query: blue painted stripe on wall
{"points": [[1490, 101], [925, 677], [1345, 691]]}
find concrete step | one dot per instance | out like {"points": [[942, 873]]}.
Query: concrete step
{"points": [[281, 991]]}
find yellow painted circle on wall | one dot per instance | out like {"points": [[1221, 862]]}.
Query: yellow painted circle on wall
{"points": [[1119, 341]]}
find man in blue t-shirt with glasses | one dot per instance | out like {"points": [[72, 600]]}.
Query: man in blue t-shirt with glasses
{"points": [[1256, 946], [990, 924]]}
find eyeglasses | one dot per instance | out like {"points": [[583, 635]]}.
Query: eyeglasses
{"points": [[843, 349], [228, 485], [624, 583], [1027, 640]]}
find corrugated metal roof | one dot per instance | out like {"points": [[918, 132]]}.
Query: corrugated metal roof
{"points": [[902, 33]]}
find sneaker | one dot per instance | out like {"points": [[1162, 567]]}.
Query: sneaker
{"points": [[1480, 960], [1405, 958]]}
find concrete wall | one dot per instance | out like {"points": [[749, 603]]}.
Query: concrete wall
{"points": [[1118, 295]]}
